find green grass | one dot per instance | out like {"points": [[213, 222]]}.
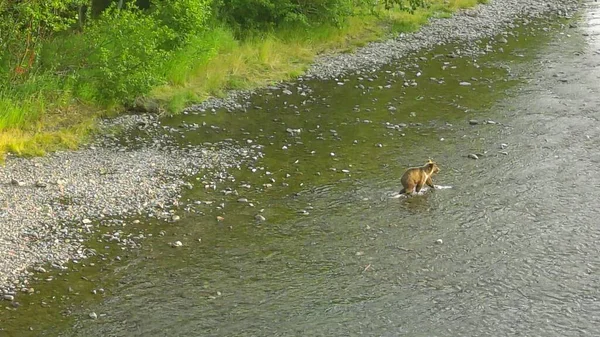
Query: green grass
{"points": [[57, 108]]}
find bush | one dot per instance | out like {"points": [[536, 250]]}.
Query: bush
{"points": [[251, 15], [125, 53], [186, 18], [24, 25]]}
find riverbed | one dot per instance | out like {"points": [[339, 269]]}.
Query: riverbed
{"points": [[308, 239]]}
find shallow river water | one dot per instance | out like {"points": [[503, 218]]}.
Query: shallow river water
{"points": [[511, 249]]}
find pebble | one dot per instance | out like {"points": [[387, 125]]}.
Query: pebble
{"points": [[243, 200], [176, 244], [473, 156], [17, 182], [7, 297], [473, 122], [259, 217], [93, 315], [464, 83], [175, 218], [439, 241]]}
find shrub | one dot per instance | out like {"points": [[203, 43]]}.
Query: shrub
{"points": [[250, 15], [24, 25], [125, 52], [185, 18]]}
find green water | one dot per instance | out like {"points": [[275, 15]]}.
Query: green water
{"points": [[357, 261]]}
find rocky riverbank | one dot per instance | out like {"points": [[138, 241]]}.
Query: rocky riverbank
{"points": [[50, 205]]}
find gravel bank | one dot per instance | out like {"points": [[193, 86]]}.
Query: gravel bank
{"points": [[49, 204], [467, 27], [46, 203]]}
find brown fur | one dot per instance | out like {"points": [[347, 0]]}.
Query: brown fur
{"points": [[415, 177]]}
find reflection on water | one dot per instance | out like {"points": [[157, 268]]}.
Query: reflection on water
{"points": [[511, 248]]}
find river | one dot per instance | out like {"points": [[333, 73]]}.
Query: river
{"points": [[512, 248]]}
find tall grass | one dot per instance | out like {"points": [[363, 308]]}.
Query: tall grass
{"points": [[16, 114]]}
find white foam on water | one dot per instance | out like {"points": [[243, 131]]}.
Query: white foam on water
{"points": [[397, 195]]}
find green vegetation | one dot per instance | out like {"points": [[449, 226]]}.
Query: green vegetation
{"points": [[63, 63]]}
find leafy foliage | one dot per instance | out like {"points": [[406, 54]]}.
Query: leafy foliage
{"points": [[125, 53], [252, 15], [186, 18], [24, 25], [267, 14], [407, 5]]}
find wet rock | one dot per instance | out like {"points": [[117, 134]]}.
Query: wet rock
{"points": [[175, 218], [93, 315], [176, 244], [293, 132], [40, 184], [439, 241], [473, 156], [17, 182], [464, 84], [242, 200], [473, 122], [259, 217], [503, 146], [8, 297]]}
